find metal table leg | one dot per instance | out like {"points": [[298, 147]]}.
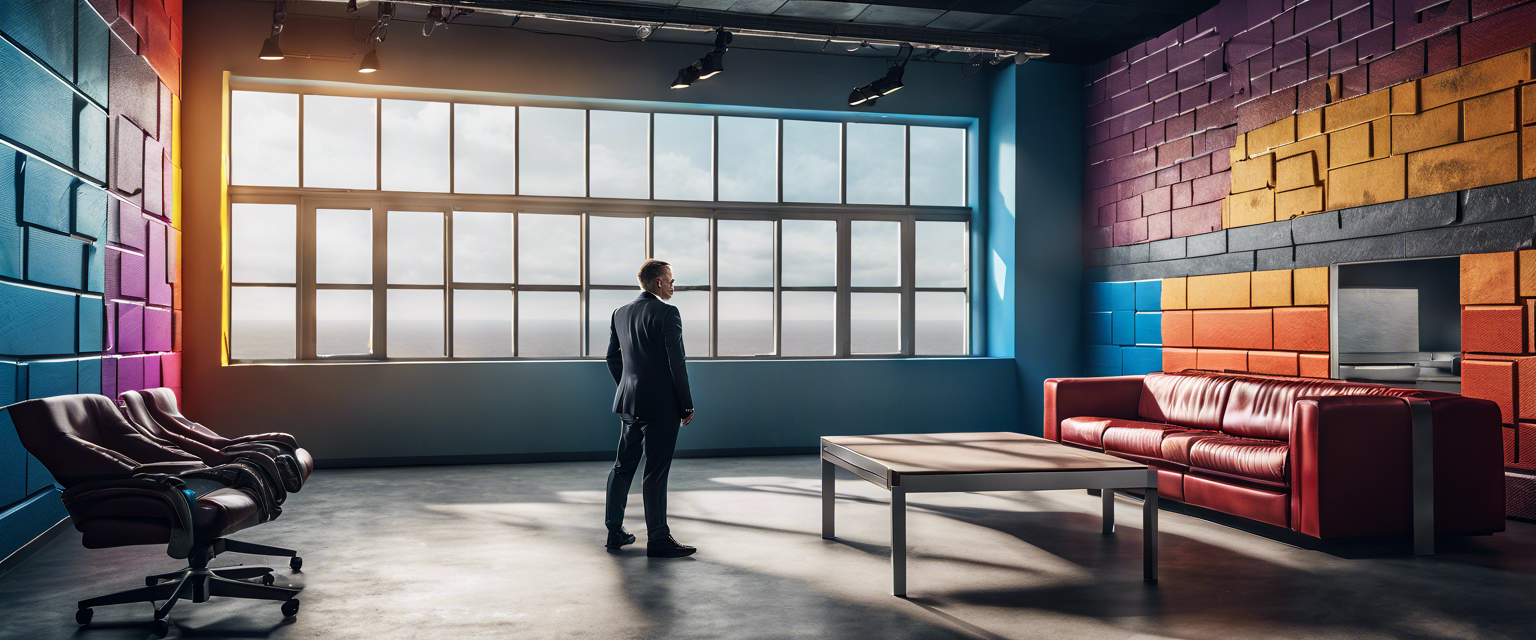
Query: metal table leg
{"points": [[898, 541], [1109, 510], [1149, 536], [828, 499]]}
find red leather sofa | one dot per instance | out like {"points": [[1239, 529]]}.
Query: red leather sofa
{"points": [[1326, 458]]}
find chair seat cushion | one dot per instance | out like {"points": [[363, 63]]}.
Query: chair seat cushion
{"points": [[225, 511], [1264, 461], [1143, 439], [1089, 431]]}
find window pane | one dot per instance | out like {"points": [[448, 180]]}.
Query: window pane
{"points": [[262, 323], [685, 151], [749, 246], [552, 155], [549, 249], [875, 322], [600, 306], [482, 247], [938, 166], [809, 323], [340, 142], [261, 240], [694, 307], [877, 158], [482, 324], [415, 323], [941, 318], [548, 324], [746, 323], [344, 246], [617, 249], [621, 155], [484, 149], [684, 243], [264, 138], [343, 322], [813, 161], [876, 257], [809, 254], [749, 159], [941, 254], [415, 145], [415, 248]]}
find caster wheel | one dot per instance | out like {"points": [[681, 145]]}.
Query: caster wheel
{"points": [[290, 608], [296, 563], [83, 616], [150, 582], [160, 628], [267, 579]]}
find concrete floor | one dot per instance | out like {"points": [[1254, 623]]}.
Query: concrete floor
{"points": [[510, 551]]}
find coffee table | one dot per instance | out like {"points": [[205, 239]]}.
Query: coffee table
{"points": [[999, 461]]}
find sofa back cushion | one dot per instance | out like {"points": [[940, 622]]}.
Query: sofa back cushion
{"points": [[1194, 400], [1262, 407]]}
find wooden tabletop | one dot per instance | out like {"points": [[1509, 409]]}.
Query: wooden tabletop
{"points": [[995, 452]]}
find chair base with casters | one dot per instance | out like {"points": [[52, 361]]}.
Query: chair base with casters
{"points": [[199, 583]]}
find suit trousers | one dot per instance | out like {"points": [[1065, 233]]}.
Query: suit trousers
{"points": [[656, 439]]}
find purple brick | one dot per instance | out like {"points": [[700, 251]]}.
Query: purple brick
{"points": [[1498, 33], [1129, 101], [1221, 88], [1401, 66], [1290, 75], [1157, 200], [1106, 214], [158, 328], [130, 373], [1258, 88], [1250, 43], [1195, 97], [1118, 82], [1137, 73], [1354, 24], [1444, 53], [1139, 139], [1212, 188], [1238, 80], [1290, 52], [1343, 57], [1156, 133], [1138, 118], [1215, 63], [1264, 10], [1095, 93], [1417, 20], [1266, 110], [151, 371], [109, 332], [1198, 219], [1341, 7], [1195, 170], [1356, 82], [1163, 86], [1312, 94], [113, 270], [1312, 14], [1137, 186], [1136, 53], [1261, 63], [1381, 13], [1318, 65], [1374, 44], [1482, 8], [1323, 37], [1098, 237], [1165, 108], [1130, 232], [130, 328], [1180, 126], [1215, 115], [1113, 148], [1098, 133], [1160, 226]]}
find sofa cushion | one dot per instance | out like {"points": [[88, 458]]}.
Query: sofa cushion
{"points": [[1089, 431], [1186, 400], [1143, 439], [1175, 446], [1265, 461], [1263, 407]]}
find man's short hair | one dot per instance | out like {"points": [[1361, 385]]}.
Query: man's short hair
{"points": [[650, 270]]}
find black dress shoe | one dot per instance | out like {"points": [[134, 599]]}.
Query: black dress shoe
{"points": [[667, 548], [619, 538]]}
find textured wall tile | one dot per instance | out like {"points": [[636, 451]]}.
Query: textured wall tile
{"points": [[1494, 329], [1469, 238], [1275, 363], [1301, 329], [1174, 293], [1271, 288], [1488, 115], [1203, 218], [1297, 172], [1407, 63], [1179, 359], [1313, 365], [1263, 236], [1300, 202], [1149, 295], [1221, 360], [1476, 79], [1433, 128], [1368, 183], [1353, 111], [1207, 244], [1223, 291], [1498, 33], [1123, 327], [1488, 278], [1170, 249], [1311, 286], [1499, 202], [1405, 99], [1234, 329], [1491, 380], [1149, 327], [1528, 104], [1272, 135], [1256, 173], [55, 259], [1253, 207], [1465, 165]]}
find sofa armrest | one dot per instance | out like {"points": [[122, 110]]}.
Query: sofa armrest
{"points": [[1113, 397]]}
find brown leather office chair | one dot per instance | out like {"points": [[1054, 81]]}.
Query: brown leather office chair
{"points": [[123, 489], [156, 411]]}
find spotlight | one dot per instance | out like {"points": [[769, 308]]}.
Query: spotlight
{"points": [[687, 76], [370, 62], [270, 49], [708, 66], [888, 84], [644, 31]]}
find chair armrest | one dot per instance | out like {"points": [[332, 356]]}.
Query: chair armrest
{"points": [[168, 488], [171, 468], [280, 439], [1113, 397]]}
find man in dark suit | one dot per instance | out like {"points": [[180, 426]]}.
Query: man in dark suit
{"points": [[645, 356]]}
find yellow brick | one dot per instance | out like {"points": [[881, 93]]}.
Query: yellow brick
{"points": [[1240, 148], [1173, 294], [1476, 79], [1488, 115], [1257, 173], [1252, 207], [1357, 110], [1299, 202], [1317, 146], [1224, 291], [1371, 182], [1311, 286], [1527, 269], [1528, 104], [1271, 288], [1381, 138], [1405, 99], [1349, 146], [1270, 136], [1478, 163], [1309, 124], [1296, 172], [1527, 153], [1433, 128], [1226, 214]]}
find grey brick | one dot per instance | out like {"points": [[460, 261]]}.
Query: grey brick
{"points": [[1323, 254], [1231, 262], [1273, 259], [1205, 265], [1207, 244], [1128, 254], [1171, 249], [1318, 227], [1259, 236], [1095, 257], [1503, 235], [1499, 202], [1398, 216]]}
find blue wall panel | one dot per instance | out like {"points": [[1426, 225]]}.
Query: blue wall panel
{"points": [[91, 144], [47, 195], [96, 266], [37, 110], [45, 28], [55, 259], [1149, 295], [1141, 360], [91, 206], [1097, 330], [90, 317], [1111, 296], [1103, 355], [91, 53], [88, 376], [10, 231], [36, 322], [13, 458], [1149, 328], [46, 378], [1124, 327], [24, 522]]}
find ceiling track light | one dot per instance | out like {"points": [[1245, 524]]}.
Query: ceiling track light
{"points": [[270, 49], [708, 66], [886, 85]]}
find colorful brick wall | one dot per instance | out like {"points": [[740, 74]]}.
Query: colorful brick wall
{"points": [[1498, 341], [1273, 322], [1124, 332], [88, 217]]}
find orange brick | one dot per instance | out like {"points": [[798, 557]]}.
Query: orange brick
{"points": [[1299, 202], [1527, 260], [1491, 380], [1488, 115], [1257, 173], [1494, 329], [1488, 278], [1311, 286], [1405, 98], [1178, 329], [1234, 329], [1301, 329], [1222, 291], [1527, 152], [1252, 207], [1356, 110], [1221, 360], [1349, 146], [1313, 365], [1272, 135], [1478, 163], [1524, 383], [1381, 138], [1271, 288], [1309, 124], [1296, 172], [1173, 294], [1433, 128], [1476, 79], [1528, 104], [1277, 363], [1366, 183], [1179, 359], [1525, 438]]}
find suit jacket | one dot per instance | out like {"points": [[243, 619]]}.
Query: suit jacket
{"points": [[645, 356]]}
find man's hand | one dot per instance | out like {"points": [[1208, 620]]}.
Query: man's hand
{"points": [[689, 418]]}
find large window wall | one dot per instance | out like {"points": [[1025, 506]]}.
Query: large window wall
{"points": [[366, 228]]}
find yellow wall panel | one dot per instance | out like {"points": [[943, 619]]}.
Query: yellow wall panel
{"points": [[1382, 180], [1271, 288], [1478, 163], [1240, 148], [1309, 124], [1272, 135], [1527, 269], [1488, 278], [1405, 98], [1488, 115], [1256, 173], [1527, 152], [1476, 79], [1349, 146], [1311, 286], [1224, 291], [1356, 110], [1317, 146], [1381, 138], [1252, 207], [1294, 173], [1528, 104], [1300, 202], [1173, 294], [1433, 128]]}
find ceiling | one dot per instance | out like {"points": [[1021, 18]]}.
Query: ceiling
{"points": [[1073, 31]]}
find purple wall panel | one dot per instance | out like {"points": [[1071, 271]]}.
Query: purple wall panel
{"points": [[109, 332], [130, 373], [158, 325], [170, 370], [109, 377], [133, 275], [159, 285], [151, 372], [112, 266], [131, 226], [1498, 33], [154, 188], [130, 328]]}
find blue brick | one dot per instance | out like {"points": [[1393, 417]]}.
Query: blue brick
{"points": [[13, 461], [46, 378], [90, 211], [47, 196], [11, 236], [1141, 360], [1111, 296], [55, 259], [1149, 328], [1098, 329], [38, 110], [1149, 295], [88, 376], [90, 314], [1100, 355], [1124, 327], [1096, 371], [36, 322]]}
